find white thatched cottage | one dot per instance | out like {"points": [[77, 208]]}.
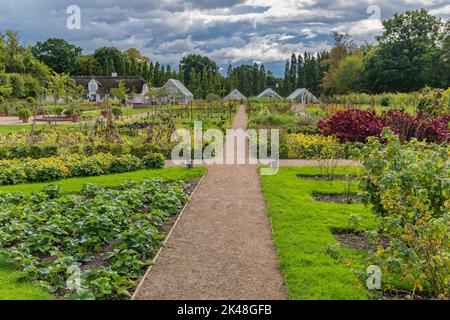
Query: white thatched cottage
{"points": [[99, 88]]}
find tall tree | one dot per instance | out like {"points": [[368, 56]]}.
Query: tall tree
{"points": [[120, 92], [58, 54], [407, 53], [348, 75], [87, 66], [343, 46], [105, 55]]}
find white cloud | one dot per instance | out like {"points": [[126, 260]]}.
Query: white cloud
{"points": [[226, 30]]}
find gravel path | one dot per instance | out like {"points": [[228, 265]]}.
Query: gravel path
{"points": [[221, 247]]}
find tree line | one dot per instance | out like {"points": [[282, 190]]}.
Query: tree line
{"points": [[412, 52]]}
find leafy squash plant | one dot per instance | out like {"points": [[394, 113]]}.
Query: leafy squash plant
{"points": [[91, 245]]}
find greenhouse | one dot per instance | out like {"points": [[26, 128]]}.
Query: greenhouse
{"points": [[269, 93], [235, 95], [303, 96]]}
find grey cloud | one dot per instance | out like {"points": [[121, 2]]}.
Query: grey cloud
{"points": [[227, 30]]}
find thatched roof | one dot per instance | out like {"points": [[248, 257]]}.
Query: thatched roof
{"points": [[235, 95], [105, 84], [269, 93]]}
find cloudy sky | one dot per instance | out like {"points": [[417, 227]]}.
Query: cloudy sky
{"points": [[229, 31]]}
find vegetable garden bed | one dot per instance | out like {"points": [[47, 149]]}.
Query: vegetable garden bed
{"points": [[93, 244]]}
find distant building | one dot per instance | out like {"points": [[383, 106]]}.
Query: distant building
{"points": [[98, 88], [269, 93], [177, 92], [235, 95], [303, 96]]}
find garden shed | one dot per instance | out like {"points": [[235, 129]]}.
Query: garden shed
{"points": [[303, 95], [235, 95], [269, 93]]}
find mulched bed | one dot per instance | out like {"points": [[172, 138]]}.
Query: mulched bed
{"points": [[353, 240], [351, 198], [336, 177], [191, 185], [404, 295], [357, 241]]}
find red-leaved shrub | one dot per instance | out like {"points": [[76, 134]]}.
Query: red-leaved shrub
{"points": [[407, 126], [352, 125], [357, 125]]}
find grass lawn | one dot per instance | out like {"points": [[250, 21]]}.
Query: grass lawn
{"points": [[126, 112], [76, 184], [5, 129], [10, 128], [302, 233], [12, 286]]}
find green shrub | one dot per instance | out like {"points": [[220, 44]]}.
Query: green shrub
{"points": [[117, 111], [409, 188], [434, 102], [211, 97], [4, 107], [25, 151], [300, 146], [154, 161], [30, 101], [266, 119], [58, 110], [125, 163], [24, 113]]}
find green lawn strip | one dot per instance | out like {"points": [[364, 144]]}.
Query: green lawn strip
{"points": [[5, 129], [302, 233], [11, 128], [76, 184], [13, 286]]}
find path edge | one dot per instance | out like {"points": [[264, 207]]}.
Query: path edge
{"points": [[163, 245]]}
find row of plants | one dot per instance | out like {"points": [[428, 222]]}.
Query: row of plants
{"points": [[408, 187], [357, 125], [91, 245], [28, 151], [56, 168], [429, 97], [49, 142]]}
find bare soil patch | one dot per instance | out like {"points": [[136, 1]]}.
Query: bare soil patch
{"points": [[351, 198], [354, 240], [336, 177]]}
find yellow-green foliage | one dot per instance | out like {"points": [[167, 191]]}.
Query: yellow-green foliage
{"points": [[301, 146]]}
